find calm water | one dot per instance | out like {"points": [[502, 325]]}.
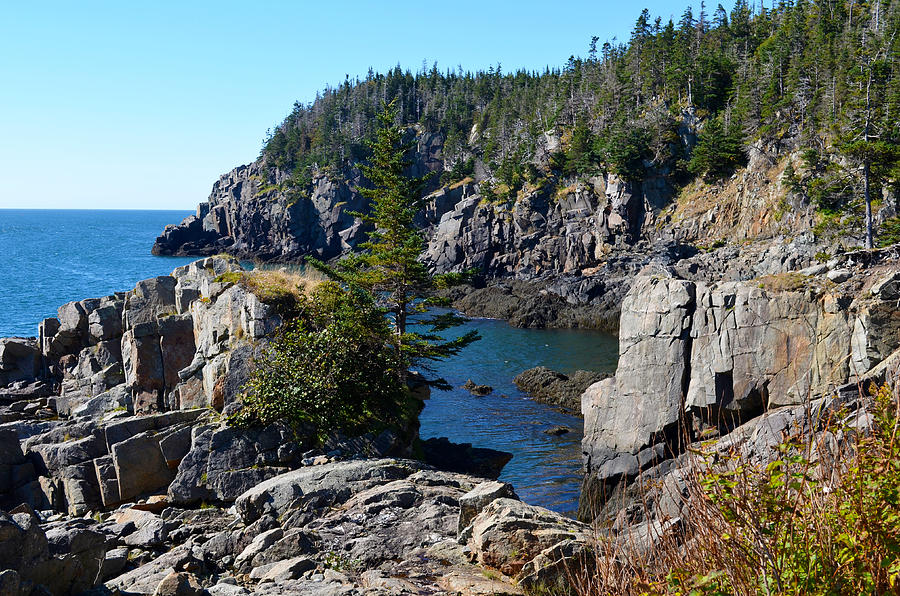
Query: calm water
{"points": [[545, 470], [48, 258]]}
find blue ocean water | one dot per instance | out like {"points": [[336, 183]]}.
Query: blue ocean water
{"points": [[545, 470], [48, 258]]}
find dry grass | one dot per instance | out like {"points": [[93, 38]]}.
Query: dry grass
{"points": [[282, 286], [464, 181], [821, 516], [787, 282]]}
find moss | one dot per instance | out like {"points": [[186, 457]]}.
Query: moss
{"points": [[229, 277]]}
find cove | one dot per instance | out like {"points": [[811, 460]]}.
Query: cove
{"points": [[545, 470]]}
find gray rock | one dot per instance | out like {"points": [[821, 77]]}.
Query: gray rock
{"points": [[20, 360], [105, 323], [839, 276], [114, 562], [554, 388], [464, 458], [10, 583], [224, 461], [289, 569], [179, 584], [330, 484], [508, 534], [175, 445], [259, 544], [53, 457], [140, 466], [471, 503]]}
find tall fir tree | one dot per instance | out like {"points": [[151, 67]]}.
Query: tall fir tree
{"points": [[388, 265]]}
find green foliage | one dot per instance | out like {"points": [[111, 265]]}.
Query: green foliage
{"points": [[718, 152], [389, 265], [330, 366], [790, 181], [443, 281], [890, 232], [790, 528], [625, 150], [580, 157], [460, 171], [820, 72]]}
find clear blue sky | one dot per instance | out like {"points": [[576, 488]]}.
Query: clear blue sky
{"points": [[143, 105]]}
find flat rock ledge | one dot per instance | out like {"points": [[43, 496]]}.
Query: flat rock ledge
{"points": [[554, 388]]}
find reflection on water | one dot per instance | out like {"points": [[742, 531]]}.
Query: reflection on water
{"points": [[545, 470]]}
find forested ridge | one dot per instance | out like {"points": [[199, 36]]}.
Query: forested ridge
{"points": [[822, 73]]}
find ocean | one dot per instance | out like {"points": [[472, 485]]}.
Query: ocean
{"points": [[50, 257]]}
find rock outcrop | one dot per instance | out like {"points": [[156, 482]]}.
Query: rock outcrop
{"points": [[173, 342], [698, 360], [555, 388]]}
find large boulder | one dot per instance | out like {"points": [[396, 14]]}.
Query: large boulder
{"points": [[224, 461], [65, 559], [508, 535], [329, 484], [20, 360], [140, 466]]}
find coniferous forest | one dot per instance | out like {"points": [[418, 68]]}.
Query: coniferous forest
{"points": [[822, 73]]}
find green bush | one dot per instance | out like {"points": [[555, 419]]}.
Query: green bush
{"points": [[889, 233], [331, 366], [718, 151], [804, 524]]}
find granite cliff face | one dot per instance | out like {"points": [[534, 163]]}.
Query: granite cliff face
{"points": [[700, 359], [255, 211], [247, 216]]}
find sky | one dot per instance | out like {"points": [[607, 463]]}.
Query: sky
{"points": [[126, 105]]}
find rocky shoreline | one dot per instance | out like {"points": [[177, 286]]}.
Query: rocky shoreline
{"points": [[121, 475]]}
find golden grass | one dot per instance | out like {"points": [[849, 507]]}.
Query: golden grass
{"points": [[276, 286], [466, 180]]}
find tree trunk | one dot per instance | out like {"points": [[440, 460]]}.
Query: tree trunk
{"points": [[868, 197]]}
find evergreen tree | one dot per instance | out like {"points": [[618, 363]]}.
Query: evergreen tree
{"points": [[389, 265], [717, 153]]}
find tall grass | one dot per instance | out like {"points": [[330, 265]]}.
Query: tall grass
{"points": [[819, 516]]}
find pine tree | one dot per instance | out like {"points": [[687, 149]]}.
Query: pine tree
{"points": [[718, 151], [389, 265]]}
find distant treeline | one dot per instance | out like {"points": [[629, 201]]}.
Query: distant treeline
{"points": [[822, 72]]}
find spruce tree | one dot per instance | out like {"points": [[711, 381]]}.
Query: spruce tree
{"points": [[388, 264]]}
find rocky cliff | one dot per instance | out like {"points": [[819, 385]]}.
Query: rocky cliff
{"points": [[560, 252], [700, 359]]}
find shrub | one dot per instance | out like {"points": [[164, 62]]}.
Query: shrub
{"points": [[889, 233], [718, 151], [331, 366], [822, 518]]}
